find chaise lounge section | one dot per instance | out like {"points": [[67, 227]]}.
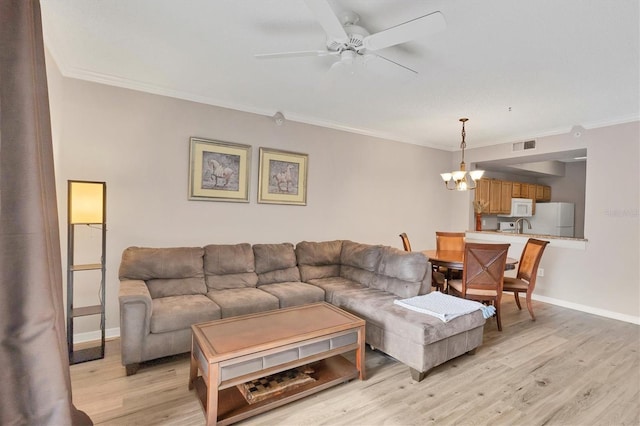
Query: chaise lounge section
{"points": [[164, 291], [365, 280]]}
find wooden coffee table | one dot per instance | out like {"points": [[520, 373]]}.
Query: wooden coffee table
{"points": [[232, 351]]}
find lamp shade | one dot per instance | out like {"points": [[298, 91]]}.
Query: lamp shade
{"points": [[459, 175], [86, 202], [446, 176], [476, 174]]}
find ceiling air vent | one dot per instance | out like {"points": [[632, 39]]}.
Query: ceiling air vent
{"points": [[523, 146]]}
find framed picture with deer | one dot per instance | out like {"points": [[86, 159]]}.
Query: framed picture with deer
{"points": [[219, 171], [282, 177]]}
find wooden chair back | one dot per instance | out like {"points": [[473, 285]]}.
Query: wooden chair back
{"points": [[530, 259], [450, 241], [483, 273], [405, 242]]}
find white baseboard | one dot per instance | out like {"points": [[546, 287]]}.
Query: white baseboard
{"points": [[588, 309], [91, 336]]}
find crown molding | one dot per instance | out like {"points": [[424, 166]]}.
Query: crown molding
{"points": [[125, 83]]}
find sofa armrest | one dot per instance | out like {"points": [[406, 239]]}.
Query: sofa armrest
{"points": [[425, 287], [135, 319]]}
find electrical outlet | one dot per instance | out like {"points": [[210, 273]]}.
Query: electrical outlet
{"points": [[484, 222], [541, 272]]}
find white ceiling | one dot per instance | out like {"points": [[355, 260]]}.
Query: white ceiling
{"points": [[518, 69]]}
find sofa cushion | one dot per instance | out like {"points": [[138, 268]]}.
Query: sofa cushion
{"points": [[358, 262], [332, 285], [172, 271], [180, 312], [294, 293], [400, 272], [318, 259], [229, 266], [376, 307], [242, 301], [275, 263], [165, 287]]}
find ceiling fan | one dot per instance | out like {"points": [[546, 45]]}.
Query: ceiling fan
{"points": [[348, 41]]}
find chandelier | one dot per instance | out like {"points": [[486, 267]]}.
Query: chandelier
{"points": [[462, 181]]}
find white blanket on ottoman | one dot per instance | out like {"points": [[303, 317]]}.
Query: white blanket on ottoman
{"points": [[444, 306]]}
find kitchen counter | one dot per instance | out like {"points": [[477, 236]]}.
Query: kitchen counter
{"points": [[512, 237]]}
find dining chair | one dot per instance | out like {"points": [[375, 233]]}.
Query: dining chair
{"points": [[525, 280], [437, 278], [482, 275], [405, 242], [450, 241]]}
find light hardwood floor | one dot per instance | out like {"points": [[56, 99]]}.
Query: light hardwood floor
{"points": [[566, 368]]}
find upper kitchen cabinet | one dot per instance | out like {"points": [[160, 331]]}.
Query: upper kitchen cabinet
{"points": [[516, 190], [496, 194], [505, 197], [482, 194]]}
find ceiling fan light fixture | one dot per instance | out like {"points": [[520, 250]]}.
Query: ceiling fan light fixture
{"points": [[347, 55]]}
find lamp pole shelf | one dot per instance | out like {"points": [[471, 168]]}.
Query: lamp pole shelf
{"points": [[88, 267], [87, 310]]}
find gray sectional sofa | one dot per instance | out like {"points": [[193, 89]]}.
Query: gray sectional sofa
{"points": [[163, 291]]}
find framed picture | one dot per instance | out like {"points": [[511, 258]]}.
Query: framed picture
{"points": [[282, 177], [219, 171]]}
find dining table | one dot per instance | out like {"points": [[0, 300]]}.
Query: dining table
{"points": [[454, 259]]}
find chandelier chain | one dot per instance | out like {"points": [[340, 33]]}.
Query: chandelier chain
{"points": [[463, 144]]}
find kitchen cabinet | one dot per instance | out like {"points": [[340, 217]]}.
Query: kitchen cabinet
{"points": [[531, 191], [482, 193], [505, 197], [542, 193], [495, 192], [516, 189]]}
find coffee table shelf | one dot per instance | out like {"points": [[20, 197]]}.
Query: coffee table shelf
{"points": [[233, 407]]}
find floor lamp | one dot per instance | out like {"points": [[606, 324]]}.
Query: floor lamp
{"points": [[87, 205]]}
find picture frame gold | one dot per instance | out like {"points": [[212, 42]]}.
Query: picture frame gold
{"points": [[218, 170], [282, 177]]}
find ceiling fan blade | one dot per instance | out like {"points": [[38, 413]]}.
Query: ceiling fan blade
{"points": [[410, 30], [395, 63], [295, 54], [328, 20]]}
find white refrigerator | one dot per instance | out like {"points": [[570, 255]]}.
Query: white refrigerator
{"points": [[552, 219]]}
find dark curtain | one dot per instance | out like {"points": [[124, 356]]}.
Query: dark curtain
{"points": [[35, 387]]}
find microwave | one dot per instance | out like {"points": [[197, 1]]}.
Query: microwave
{"points": [[520, 207]]}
